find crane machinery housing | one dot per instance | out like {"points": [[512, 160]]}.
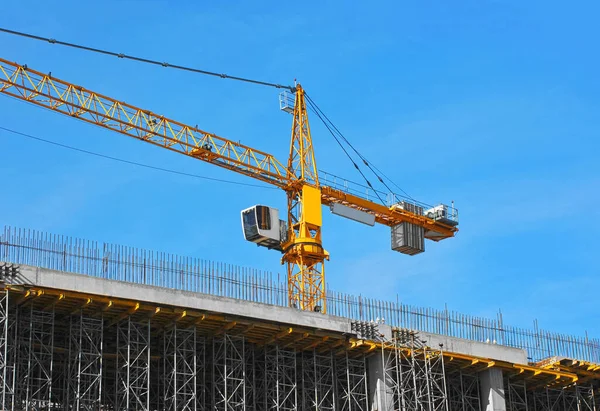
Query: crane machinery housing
{"points": [[299, 238]]}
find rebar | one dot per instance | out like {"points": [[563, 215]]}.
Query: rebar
{"points": [[28, 247]]}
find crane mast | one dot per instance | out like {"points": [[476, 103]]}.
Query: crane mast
{"points": [[303, 250], [299, 239]]}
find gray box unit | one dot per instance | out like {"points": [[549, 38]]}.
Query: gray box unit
{"points": [[410, 207], [408, 238]]}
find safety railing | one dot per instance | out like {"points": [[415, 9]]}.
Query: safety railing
{"points": [[115, 262], [388, 199]]}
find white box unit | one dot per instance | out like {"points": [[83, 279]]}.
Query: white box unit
{"points": [[408, 238], [442, 214]]}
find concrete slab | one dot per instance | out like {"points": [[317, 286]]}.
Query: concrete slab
{"points": [[61, 280], [156, 295]]}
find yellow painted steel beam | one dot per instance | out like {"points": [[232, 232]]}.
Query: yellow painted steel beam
{"points": [[315, 344], [126, 314], [286, 331], [77, 102], [333, 346], [54, 301], [581, 372], [545, 372], [198, 321], [108, 306], [521, 368], [297, 340], [225, 328], [181, 316], [23, 297], [247, 329], [86, 303]]}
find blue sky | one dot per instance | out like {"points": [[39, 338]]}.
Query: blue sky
{"points": [[492, 104]]}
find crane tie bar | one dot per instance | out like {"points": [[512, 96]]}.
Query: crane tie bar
{"points": [[144, 60]]}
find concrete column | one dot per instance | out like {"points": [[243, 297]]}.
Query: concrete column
{"points": [[381, 396], [491, 384]]}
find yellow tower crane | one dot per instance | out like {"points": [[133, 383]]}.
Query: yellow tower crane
{"points": [[299, 239]]}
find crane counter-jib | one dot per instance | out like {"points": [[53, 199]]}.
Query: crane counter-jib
{"points": [[386, 215]]}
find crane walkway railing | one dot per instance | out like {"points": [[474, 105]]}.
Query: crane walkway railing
{"points": [[115, 262]]}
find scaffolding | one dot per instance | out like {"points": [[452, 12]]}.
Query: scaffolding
{"points": [[351, 374], [180, 361], [575, 398], [85, 362], [463, 391], [133, 365], [281, 392], [71, 357], [414, 375], [35, 358], [317, 381], [229, 373], [515, 394], [8, 338]]}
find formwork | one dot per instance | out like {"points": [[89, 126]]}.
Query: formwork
{"points": [[65, 349]]}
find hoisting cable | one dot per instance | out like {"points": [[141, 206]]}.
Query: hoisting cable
{"points": [[311, 104], [145, 60], [367, 163], [120, 160]]}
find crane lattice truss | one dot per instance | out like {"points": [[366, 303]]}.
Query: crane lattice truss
{"points": [[303, 250]]}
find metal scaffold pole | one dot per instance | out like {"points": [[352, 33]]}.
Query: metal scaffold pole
{"points": [[85, 362], [436, 380], [229, 373], [307, 381], [133, 365], [515, 393], [8, 346], [252, 377], [463, 391], [585, 398], [324, 382], [280, 378], [258, 385], [407, 387], [352, 383], [36, 358], [180, 359], [390, 358], [415, 376]]}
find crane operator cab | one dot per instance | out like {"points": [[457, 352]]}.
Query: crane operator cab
{"points": [[261, 225]]}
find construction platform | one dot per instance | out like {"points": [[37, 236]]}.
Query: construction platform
{"points": [[106, 341]]}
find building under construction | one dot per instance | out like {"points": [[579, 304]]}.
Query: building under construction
{"points": [[88, 326]]}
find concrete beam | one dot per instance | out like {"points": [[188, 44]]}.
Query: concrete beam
{"points": [[475, 348], [381, 394], [491, 385]]}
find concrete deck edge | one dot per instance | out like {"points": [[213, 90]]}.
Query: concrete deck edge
{"points": [[42, 277]]}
